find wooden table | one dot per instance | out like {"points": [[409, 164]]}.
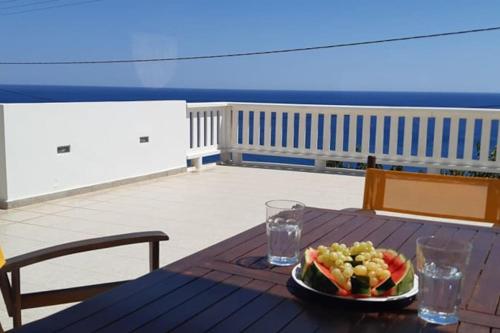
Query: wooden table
{"points": [[229, 287]]}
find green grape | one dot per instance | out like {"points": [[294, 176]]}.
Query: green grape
{"points": [[359, 257], [322, 249], [371, 266], [348, 272], [334, 256], [360, 270]]}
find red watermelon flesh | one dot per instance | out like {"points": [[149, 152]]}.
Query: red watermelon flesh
{"points": [[396, 264], [389, 255]]}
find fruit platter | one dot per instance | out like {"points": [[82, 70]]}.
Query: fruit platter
{"points": [[357, 272]]}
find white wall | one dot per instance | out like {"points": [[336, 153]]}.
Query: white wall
{"points": [[104, 140]]}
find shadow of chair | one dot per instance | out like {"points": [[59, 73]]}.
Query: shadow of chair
{"points": [[15, 301]]}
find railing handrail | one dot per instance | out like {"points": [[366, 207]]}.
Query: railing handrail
{"points": [[346, 107]]}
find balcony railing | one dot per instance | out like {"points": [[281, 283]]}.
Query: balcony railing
{"points": [[433, 138]]}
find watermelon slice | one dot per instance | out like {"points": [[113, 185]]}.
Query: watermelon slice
{"points": [[401, 279], [310, 255], [320, 278]]}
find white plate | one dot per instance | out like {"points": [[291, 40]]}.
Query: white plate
{"points": [[411, 293]]}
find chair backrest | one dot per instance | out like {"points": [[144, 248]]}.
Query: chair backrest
{"points": [[456, 197]]}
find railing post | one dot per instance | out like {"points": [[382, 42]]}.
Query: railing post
{"points": [[319, 165], [237, 158], [224, 145], [198, 162], [435, 171]]}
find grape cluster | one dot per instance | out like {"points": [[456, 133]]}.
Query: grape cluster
{"points": [[361, 259]]}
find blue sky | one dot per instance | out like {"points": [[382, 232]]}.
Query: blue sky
{"points": [[164, 28]]}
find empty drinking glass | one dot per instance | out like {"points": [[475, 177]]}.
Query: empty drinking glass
{"points": [[284, 227], [441, 267]]}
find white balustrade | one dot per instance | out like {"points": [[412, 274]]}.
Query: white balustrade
{"points": [[449, 138], [205, 130]]}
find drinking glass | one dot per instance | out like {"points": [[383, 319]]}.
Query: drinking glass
{"points": [[284, 227], [441, 267]]}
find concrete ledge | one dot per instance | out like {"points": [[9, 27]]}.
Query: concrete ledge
{"points": [[87, 189]]}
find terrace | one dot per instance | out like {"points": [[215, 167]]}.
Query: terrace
{"points": [[209, 203]]}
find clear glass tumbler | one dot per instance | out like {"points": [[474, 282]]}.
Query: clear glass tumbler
{"points": [[284, 227], [441, 265]]}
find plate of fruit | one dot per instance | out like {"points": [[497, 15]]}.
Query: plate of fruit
{"points": [[359, 272]]}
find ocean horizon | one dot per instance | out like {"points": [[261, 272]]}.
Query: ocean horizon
{"points": [[50, 93]]}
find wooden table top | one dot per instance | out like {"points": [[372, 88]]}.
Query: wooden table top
{"points": [[229, 287]]}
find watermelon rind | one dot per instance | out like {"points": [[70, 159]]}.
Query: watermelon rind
{"points": [[360, 286], [406, 284]]}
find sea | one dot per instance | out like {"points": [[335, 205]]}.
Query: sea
{"points": [[49, 93], [42, 93]]}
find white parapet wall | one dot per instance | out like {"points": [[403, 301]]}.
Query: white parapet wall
{"points": [[50, 148]]}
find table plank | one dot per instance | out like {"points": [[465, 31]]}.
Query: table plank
{"points": [[278, 317], [369, 226], [264, 274], [126, 322], [223, 309], [382, 233], [254, 310], [481, 245], [305, 322], [467, 328], [485, 297], [400, 236]]}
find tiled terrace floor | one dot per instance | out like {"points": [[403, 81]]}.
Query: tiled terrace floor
{"points": [[195, 209]]}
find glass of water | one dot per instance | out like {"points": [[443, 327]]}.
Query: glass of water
{"points": [[441, 265], [284, 227]]}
